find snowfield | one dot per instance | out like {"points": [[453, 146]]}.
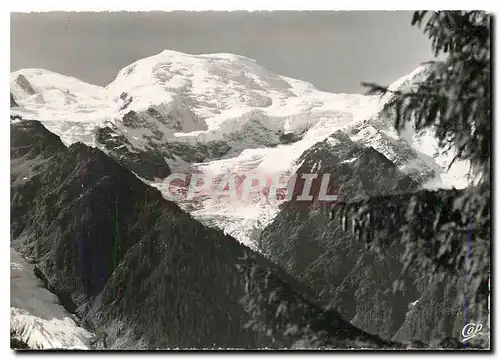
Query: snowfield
{"points": [[200, 99], [36, 316]]}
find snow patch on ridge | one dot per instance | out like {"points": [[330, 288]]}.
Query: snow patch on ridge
{"points": [[36, 316]]}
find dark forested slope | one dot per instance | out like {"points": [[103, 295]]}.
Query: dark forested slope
{"points": [[357, 281]]}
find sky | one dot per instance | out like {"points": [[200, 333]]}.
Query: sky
{"points": [[333, 50]]}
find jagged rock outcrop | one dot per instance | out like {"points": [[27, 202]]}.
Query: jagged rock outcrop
{"points": [[316, 251], [12, 101], [17, 344], [135, 265], [146, 164]]}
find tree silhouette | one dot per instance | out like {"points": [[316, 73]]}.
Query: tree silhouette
{"points": [[446, 232]]}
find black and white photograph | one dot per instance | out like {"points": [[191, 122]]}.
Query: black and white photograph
{"points": [[250, 180]]}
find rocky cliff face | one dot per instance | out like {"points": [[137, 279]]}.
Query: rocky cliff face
{"points": [[12, 101], [135, 266]]}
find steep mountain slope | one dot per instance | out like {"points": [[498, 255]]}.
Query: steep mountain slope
{"points": [[315, 250], [133, 265]]}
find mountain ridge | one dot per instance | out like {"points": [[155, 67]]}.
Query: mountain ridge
{"points": [[173, 111], [137, 267]]}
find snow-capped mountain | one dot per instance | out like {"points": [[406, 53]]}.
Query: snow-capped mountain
{"points": [[219, 113], [192, 98]]}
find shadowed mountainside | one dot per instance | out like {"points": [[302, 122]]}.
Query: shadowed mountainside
{"points": [[357, 281], [136, 266]]}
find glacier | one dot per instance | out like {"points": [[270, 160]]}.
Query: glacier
{"points": [[36, 316]]}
